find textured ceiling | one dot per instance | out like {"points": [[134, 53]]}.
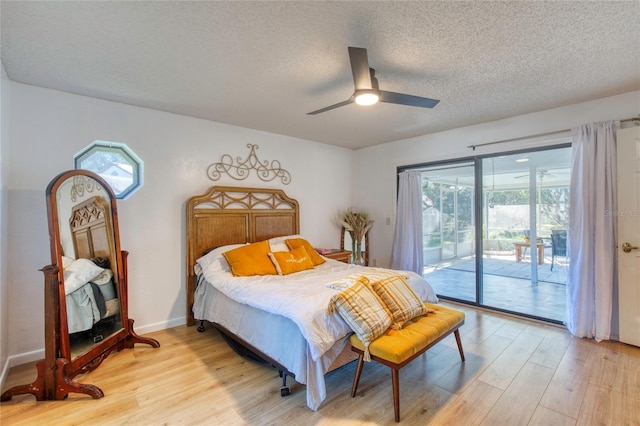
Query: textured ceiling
{"points": [[264, 65]]}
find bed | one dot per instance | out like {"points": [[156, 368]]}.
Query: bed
{"points": [[269, 315], [90, 290]]}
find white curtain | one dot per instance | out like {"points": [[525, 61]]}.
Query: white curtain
{"points": [[592, 230], [406, 253]]}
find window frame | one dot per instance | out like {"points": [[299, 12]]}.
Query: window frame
{"points": [[123, 151]]}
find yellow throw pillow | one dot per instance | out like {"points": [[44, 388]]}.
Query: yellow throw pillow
{"points": [[400, 298], [293, 243], [364, 312], [288, 262], [252, 259]]}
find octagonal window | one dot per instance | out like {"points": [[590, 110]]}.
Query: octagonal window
{"points": [[116, 163]]}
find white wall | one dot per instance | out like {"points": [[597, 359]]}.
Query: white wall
{"points": [[48, 127], [375, 188], [4, 178]]}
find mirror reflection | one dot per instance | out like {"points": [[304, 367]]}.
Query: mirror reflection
{"points": [[85, 288], [88, 261]]}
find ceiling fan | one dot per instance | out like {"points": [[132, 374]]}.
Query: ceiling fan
{"points": [[541, 174], [367, 91]]}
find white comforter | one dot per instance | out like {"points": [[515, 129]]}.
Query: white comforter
{"points": [[303, 297]]}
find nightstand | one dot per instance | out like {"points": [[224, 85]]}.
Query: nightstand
{"points": [[339, 255]]}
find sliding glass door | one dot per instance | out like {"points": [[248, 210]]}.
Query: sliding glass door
{"points": [[449, 229], [525, 202], [495, 231]]}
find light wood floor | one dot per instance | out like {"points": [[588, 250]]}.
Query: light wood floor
{"points": [[516, 372]]}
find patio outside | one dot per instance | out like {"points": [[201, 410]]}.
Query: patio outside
{"points": [[514, 197], [507, 284]]}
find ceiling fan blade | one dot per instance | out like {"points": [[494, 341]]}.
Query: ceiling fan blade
{"points": [[402, 99], [338, 105], [360, 68]]}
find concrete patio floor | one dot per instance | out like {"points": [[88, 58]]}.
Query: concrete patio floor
{"points": [[506, 285]]}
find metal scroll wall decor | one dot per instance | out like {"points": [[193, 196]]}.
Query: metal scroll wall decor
{"points": [[82, 184], [266, 171]]}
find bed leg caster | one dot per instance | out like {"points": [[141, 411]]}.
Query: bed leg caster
{"points": [[201, 326], [284, 390]]}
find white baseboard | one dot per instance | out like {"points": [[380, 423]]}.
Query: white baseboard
{"points": [[38, 354], [5, 372], [19, 359], [162, 325], [26, 357]]}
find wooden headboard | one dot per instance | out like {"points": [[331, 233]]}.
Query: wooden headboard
{"points": [[233, 215], [92, 231]]}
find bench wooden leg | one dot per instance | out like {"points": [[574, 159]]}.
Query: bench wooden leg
{"points": [[395, 382], [459, 342], [356, 378], [395, 367]]}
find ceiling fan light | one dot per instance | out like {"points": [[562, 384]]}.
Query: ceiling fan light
{"points": [[367, 97]]}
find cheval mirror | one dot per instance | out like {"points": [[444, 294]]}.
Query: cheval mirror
{"points": [[86, 315]]}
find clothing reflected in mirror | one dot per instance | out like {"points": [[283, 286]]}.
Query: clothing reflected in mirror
{"points": [[88, 263]]}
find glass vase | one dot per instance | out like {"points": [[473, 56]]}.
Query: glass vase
{"points": [[356, 252]]}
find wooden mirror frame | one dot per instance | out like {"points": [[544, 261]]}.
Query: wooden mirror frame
{"points": [[57, 370]]}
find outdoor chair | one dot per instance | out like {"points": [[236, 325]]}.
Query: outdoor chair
{"points": [[558, 244]]}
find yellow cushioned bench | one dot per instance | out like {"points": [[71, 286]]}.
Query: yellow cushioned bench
{"points": [[397, 348]]}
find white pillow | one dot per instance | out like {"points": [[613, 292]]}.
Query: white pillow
{"points": [[278, 243], [104, 277], [214, 260], [80, 272], [67, 261]]}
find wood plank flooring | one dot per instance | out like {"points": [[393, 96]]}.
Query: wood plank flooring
{"points": [[517, 372]]}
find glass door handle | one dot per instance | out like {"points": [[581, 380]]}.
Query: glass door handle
{"points": [[627, 247]]}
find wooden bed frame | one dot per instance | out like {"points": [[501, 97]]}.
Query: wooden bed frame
{"points": [[233, 215], [91, 231]]}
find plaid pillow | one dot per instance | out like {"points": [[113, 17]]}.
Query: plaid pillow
{"points": [[364, 312], [400, 298]]}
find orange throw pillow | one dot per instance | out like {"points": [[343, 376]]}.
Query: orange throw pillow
{"points": [[252, 259], [294, 243], [288, 262]]}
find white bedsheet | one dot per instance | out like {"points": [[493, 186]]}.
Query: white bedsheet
{"points": [[303, 297]]}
